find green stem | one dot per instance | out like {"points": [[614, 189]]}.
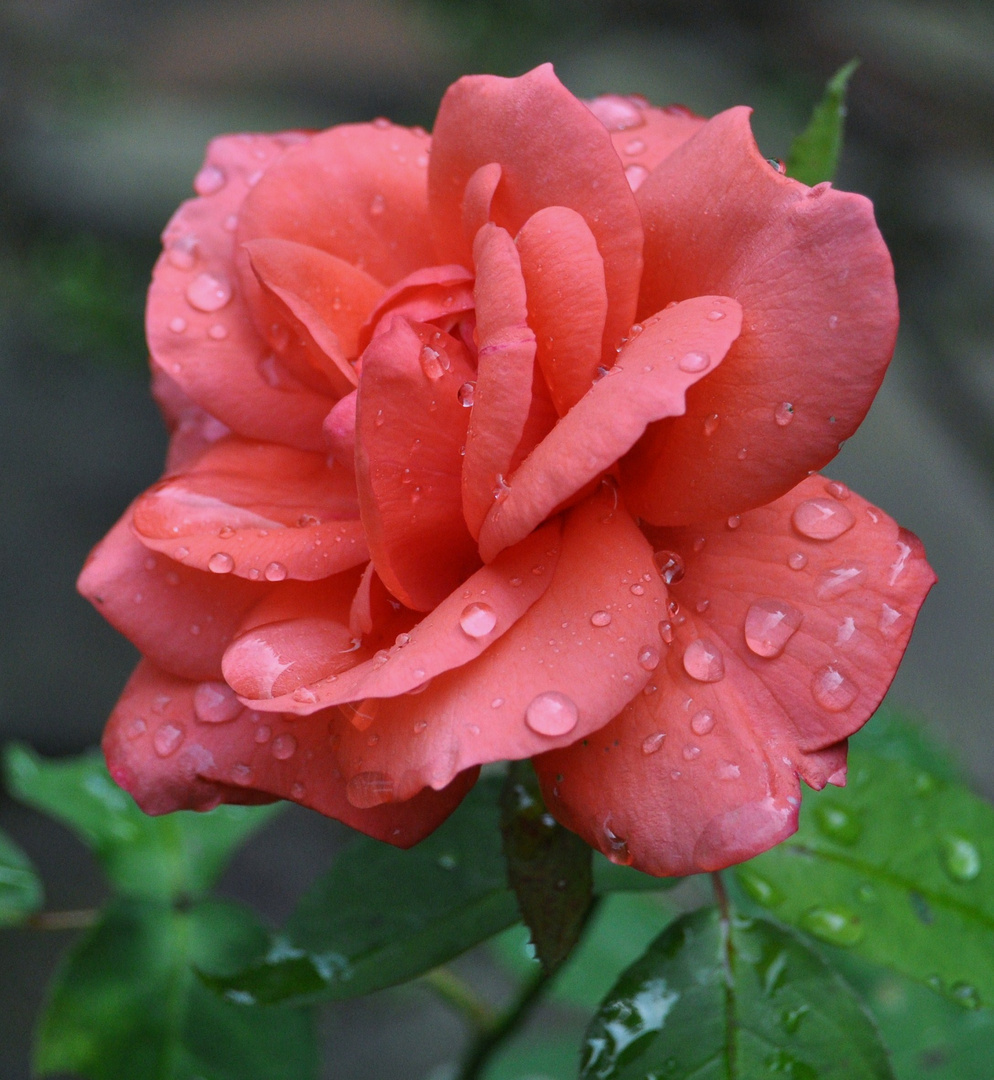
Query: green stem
{"points": [[461, 996]]}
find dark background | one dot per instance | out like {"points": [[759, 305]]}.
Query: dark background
{"points": [[105, 110]]}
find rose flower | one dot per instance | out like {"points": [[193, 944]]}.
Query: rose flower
{"points": [[498, 444]]}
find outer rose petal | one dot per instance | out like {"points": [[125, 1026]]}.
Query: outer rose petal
{"points": [[794, 642], [673, 351], [589, 640], [552, 152], [357, 191], [199, 328], [182, 619], [161, 750], [642, 134], [816, 286], [410, 428], [258, 510]]}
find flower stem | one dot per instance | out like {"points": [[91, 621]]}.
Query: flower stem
{"points": [[461, 996]]}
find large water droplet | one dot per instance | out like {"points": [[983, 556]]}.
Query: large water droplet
{"points": [[702, 722], [694, 361], [208, 293], [783, 413], [703, 661], [833, 925], [368, 789], [167, 739], [552, 714], [960, 858], [761, 890], [183, 252], [837, 823], [670, 565], [666, 631], [652, 743], [600, 618], [284, 747], [432, 363], [215, 703], [220, 563], [840, 580], [304, 696], [769, 625], [822, 519], [617, 846], [797, 560], [467, 394], [477, 620], [833, 690], [648, 658], [616, 113], [636, 175], [275, 571]]}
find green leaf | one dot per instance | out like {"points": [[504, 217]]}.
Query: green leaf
{"points": [[176, 855], [815, 152], [896, 737], [897, 867], [536, 1058], [743, 999], [548, 867], [125, 1003], [613, 877], [20, 888]]}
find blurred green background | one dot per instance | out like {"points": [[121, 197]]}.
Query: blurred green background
{"points": [[105, 108]]}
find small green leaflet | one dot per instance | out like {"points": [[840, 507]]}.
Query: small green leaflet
{"points": [[125, 1003], [815, 152], [713, 1000], [20, 888], [176, 855], [548, 867], [899, 868]]}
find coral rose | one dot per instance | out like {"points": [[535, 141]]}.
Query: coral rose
{"points": [[498, 444]]}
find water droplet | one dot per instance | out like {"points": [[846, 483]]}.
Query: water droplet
{"points": [[275, 571], [699, 542], [702, 723], [833, 321], [652, 743], [220, 563], [960, 858], [215, 703], [666, 631], [965, 995], [791, 1018], [208, 180], [551, 714], [617, 846], [466, 394], [635, 146], [241, 774], [734, 521], [691, 752], [837, 490], [263, 733], [183, 252], [837, 823], [616, 113], [769, 625], [648, 658], [600, 618], [703, 661], [832, 690], [477, 620], [368, 789], [431, 363], [381, 656], [636, 175], [284, 747], [714, 316], [377, 206], [728, 770], [888, 617], [822, 519], [420, 727], [218, 332], [711, 424], [694, 361], [761, 890], [797, 560], [167, 739], [835, 926], [303, 696], [297, 790], [783, 413], [208, 293], [501, 489], [638, 589], [840, 580], [670, 565], [177, 324]]}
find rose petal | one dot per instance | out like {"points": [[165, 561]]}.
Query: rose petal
{"points": [[674, 350], [642, 134], [803, 637], [256, 510], [570, 663], [182, 619], [410, 428], [567, 300], [199, 328], [816, 286], [459, 629], [523, 125], [161, 751], [438, 294], [506, 361]]}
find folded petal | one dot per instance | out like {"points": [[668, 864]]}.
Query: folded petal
{"points": [[255, 510], [567, 300], [182, 619], [180, 745], [505, 361], [457, 631], [523, 125], [789, 626], [816, 285], [435, 294], [410, 429], [199, 326], [569, 664], [673, 350]]}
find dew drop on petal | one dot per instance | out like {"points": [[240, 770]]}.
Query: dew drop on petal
{"points": [[635, 146], [600, 618], [617, 846], [477, 620], [769, 625], [551, 713], [284, 747], [220, 563], [691, 752], [888, 617], [832, 690], [714, 316], [837, 490], [177, 324], [652, 743], [431, 363], [241, 774], [797, 560], [275, 571], [218, 332], [648, 658], [636, 176], [734, 521], [167, 739], [703, 661], [208, 180], [215, 703], [183, 252], [666, 631], [616, 113], [263, 733], [208, 293], [694, 362], [783, 413], [303, 696], [670, 565], [702, 722], [711, 424], [466, 394], [368, 789], [822, 519]]}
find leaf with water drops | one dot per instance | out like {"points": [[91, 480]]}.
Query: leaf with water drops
{"points": [[161, 857], [548, 867], [815, 152], [741, 998], [126, 1003], [20, 888], [897, 867]]}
